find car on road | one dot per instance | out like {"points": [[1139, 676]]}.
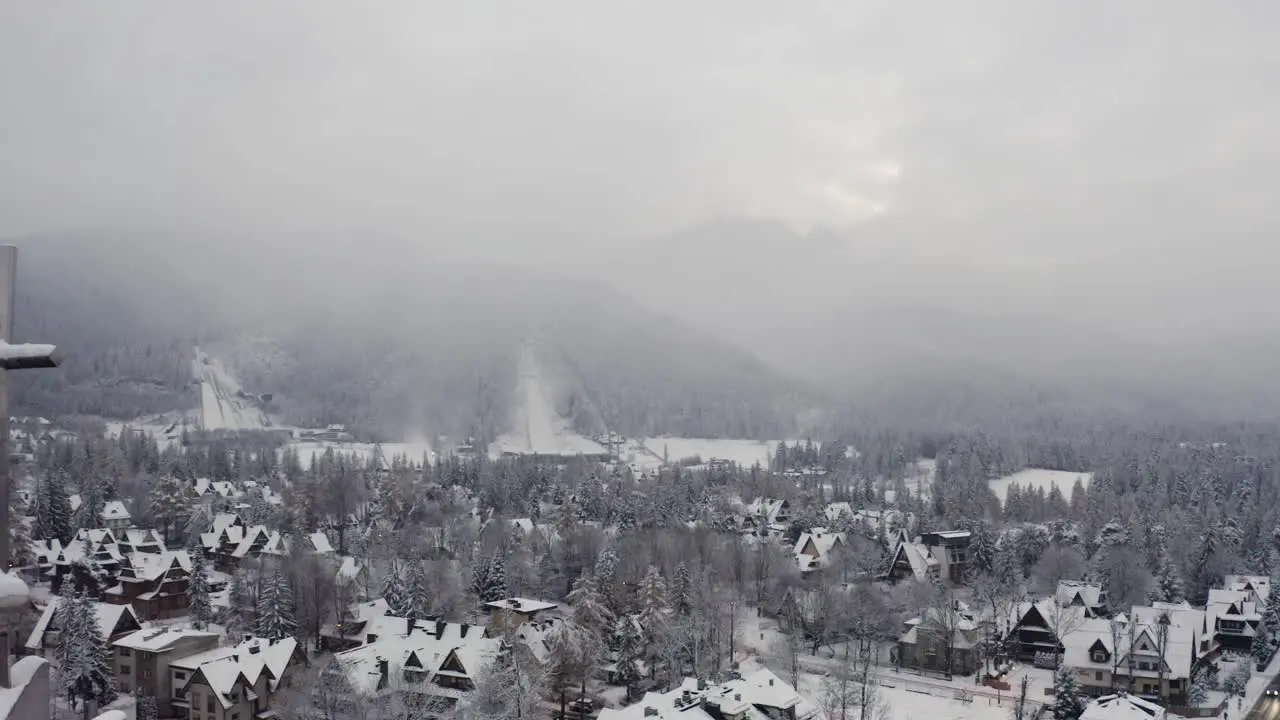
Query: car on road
{"points": [[1273, 692]]}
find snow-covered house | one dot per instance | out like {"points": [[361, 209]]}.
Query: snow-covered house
{"points": [[1153, 649], [1123, 706], [234, 682], [768, 514], [141, 660], [318, 543], [356, 626], [1089, 596], [756, 695], [204, 487], [154, 584], [1234, 616], [513, 612], [815, 549], [116, 516], [941, 642], [439, 660], [1258, 586], [114, 621], [942, 554]]}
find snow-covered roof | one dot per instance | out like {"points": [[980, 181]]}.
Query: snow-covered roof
{"points": [[245, 663], [115, 510], [1259, 585], [813, 549], [520, 605], [224, 520], [1123, 707], [1077, 592], [159, 639], [917, 556], [108, 615], [349, 569], [320, 542], [426, 647], [21, 674], [750, 694]]}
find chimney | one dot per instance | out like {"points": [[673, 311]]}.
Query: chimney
{"points": [[371, 638], [702, 683], [515, 603], [650, 712], [254, 649], [737, 697], [770, 682], [462, 632], [440, 625]]}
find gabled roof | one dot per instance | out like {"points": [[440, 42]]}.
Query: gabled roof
{"points": [[115, 510], [821, 542], [1123, 707], [1074, 592], [244, 664], [109, 615]]}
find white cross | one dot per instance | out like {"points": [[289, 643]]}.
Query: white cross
{"points": [[12, 357]]}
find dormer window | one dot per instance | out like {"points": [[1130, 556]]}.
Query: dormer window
{"points": [[1099, 656]]}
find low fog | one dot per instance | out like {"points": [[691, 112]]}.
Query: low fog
{"points": [[865, 198]]}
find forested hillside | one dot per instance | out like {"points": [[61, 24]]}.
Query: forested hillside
{"points": [[391, 347]]}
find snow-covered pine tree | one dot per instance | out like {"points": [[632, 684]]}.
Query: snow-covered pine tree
{"points": [[85, 671], [629, 643], [199, 603], [652, 597], [276, 619], [395, 591], [589, 610], [982, 551], [92, 502], [147, 709], [53, 509], [1198, 688], [1261, 649], [1068, 703], [418, 592], [682, 591], [1168, 581], [1271, 616], [489, 580], [606, 572], [168, 505]]}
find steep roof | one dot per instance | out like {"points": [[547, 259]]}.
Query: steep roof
{"points": [[109, 616], [1123, 707]]}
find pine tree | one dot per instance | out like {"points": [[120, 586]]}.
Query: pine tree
{"points": [[606, 573], [489, 579], [147, 709], [628, 641], [395, 591], [1262, 649], [653, 601], [168, 505], [982, 551], [1271, 616], [276, 619], [418, 591], [1069, 703], [84, 659], [53, 509], [589, 611], [92, 502], [1168, 582], [682, 591], [1198, 689], [199, 602]]}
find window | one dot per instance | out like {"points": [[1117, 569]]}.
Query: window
{"points": [[124, 688], [208, 703], [125, 652], [1099, 656], [179, 675], [1144, 665], [146, 674], [125, 669], [235, 716], [1098, 676]]}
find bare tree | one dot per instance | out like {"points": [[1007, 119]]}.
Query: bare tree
{"points": [[1128, 580], [1120, 639], [1056, 564], [1063, 620], [1021, 709]]}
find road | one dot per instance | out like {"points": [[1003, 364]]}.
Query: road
{"points": [[1267, 707]]}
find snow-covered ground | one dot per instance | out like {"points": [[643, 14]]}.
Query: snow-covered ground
{"points": [[1035, 478], [919, 480], [742, 452], [309, 451], [537, 428], [222, 403]]}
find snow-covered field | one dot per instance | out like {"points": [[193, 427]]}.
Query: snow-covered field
{"points": [[222, 405], [742, 452], [1035, 478], [309, 451]]}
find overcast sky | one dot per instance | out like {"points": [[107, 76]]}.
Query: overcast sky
{"points": [[1138, 136]]}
